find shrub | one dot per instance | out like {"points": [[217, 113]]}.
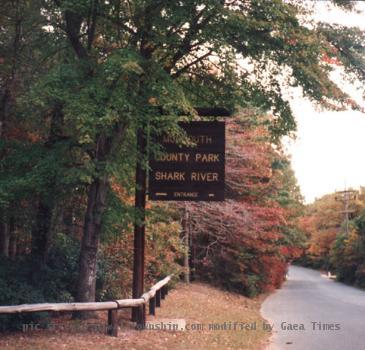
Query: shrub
{"points": [[56, 282], [14, 290]]}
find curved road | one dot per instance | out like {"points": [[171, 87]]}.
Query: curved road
{"points": [[327, 314]]}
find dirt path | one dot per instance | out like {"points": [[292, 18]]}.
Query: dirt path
{"points": [[208, 315]]}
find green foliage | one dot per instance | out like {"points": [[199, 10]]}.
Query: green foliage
{"points": [[62, 269], [57, 281], [15, 289], [348, 255], [253, 285], [329, 246], [117, 218]]}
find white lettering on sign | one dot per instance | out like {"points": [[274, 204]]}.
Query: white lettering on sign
{"points": [[207, 157], [185, 194], [170, 175], [174, 157], [207, 177], [198, 139]]}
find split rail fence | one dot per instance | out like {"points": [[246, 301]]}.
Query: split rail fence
{"points": [[152, 298]]}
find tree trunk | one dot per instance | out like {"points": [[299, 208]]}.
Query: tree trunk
{"points": [[92, 229], [68, 221], [41, 241], [4, 237], [98, 189], [90, 243], [13, 238], [4, 109], [9, 86], [41, 233], [96, 203]]}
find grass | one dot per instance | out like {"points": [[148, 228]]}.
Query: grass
{"points": [[197, 303]]}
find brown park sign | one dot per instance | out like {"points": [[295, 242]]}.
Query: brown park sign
{"points": [[190, 172]]}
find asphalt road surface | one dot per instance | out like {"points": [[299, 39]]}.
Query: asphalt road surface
{"points": [[326, 314]]}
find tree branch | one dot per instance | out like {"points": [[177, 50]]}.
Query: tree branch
{"points": [[73, 26], [192, 63], [92, 24], [186, 45]]}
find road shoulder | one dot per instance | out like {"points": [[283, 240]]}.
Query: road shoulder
{"points": [[214, 319]]}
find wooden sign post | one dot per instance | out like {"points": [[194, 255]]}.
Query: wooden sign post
{"points": [[213, 188], [139, 224]]}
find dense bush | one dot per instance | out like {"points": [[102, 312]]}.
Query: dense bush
{"points": [[55, 282], [348, 256], [162, 255], [15, 288], [62, 269], [329, 246]]}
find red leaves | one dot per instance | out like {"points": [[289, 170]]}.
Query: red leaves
{"points": [[331, 60], [18, 134], [240, 242]]}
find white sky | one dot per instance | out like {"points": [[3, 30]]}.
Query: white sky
{"points": [[328, 154]]}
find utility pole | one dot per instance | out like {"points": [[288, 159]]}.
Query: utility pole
{"points": [[345, 197]]}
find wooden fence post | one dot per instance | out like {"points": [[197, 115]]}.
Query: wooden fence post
{"points": [[152, 306], [158, 298], [144, 315], [141, 317], [163, 292], [112, 323]]}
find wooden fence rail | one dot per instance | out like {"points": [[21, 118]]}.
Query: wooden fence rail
{"points": [[152, 297]]}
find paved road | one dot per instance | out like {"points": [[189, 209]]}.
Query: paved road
{"points": [[308, 297]]}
